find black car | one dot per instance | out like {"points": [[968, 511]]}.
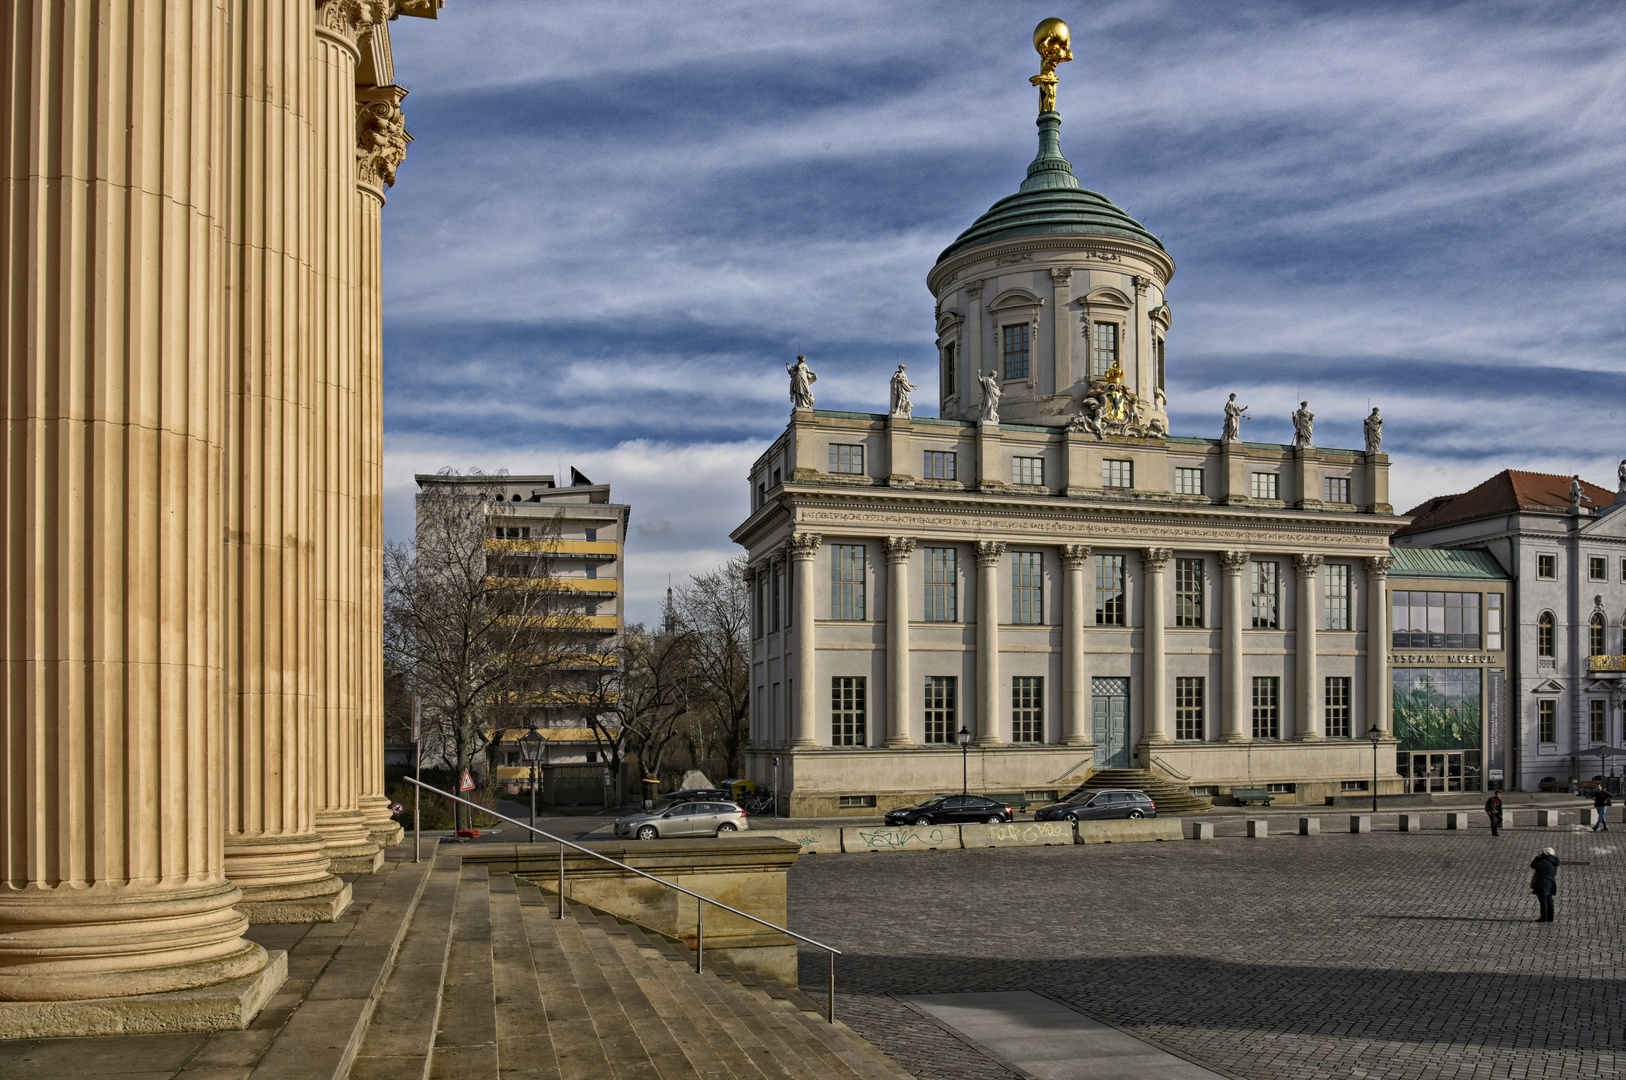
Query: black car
{"points": [[698, 795], [1091, 805], [951, 810]]}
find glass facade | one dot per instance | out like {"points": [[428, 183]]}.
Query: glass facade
{"points": [[1438, 723], [1434, 620]]}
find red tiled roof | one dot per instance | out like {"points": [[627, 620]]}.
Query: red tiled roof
{"points": [[1509, 491]]}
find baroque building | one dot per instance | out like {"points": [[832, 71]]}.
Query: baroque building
{"points": [[1045, 570]]}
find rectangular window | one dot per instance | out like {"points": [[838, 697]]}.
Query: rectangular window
{"points": [[1188, 592], [1104, 348], [1600, 729], [846, 459], [1188, 481], [1435, 620], [1109, 590], [942, 585], [1547, 721], [1338, 710], [1337, 489], [1027, 470], [1336, 596], [1597, 568], [1188, 707], [854, 802], [1352, 785], [1623, 569], [948, 375], [938, 465], [773, 586], [1267, 707], [1118, 474], [942, 713], [1265, 614], [848, 711], [1262, 485], [511, 532], [760, 622], [1281, 789], [1027, 587], [1016, 352], [1027, 709], [847, 581], [1547, 566], [776, 480], [592, 571], [1493, 621]]}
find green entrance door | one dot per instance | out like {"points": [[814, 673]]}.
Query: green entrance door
{"points": [[1111, 699]]}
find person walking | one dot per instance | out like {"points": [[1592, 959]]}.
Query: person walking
{"points": [[1601, 803], [1493, 809], [1544, 881]]}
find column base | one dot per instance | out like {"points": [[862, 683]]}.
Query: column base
{"points": [[382, 828], [899, 744], [988, 740], [1234, 737], [1076, 740], [225, 1006], [349, 848], [388, 835], [262, 908], [284, 878], [805, 744], [1309, 736]]}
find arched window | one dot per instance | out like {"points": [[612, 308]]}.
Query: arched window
{"points": [[1544, 634], [1595, 635]]}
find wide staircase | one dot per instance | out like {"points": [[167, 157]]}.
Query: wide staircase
{"points": [[1171, 797], [488, 983]]}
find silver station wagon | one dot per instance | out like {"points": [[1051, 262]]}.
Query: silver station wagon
{"points": [[684, 819]]}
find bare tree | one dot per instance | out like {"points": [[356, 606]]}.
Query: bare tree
{"points": [[715, 608], [637, 705]]}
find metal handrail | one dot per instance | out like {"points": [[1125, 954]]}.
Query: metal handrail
{"points": [[1166, 767], [700, 906]]}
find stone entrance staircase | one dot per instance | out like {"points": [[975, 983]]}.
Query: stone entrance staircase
{"points": [[488, 983], [1170, 797]]}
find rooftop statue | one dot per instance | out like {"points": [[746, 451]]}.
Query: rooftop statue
{"points": [[1621, 473], [1575, 493], [801, 383], [1374, 432], [901, 388], [1303, 425], [1234, 415], [1053, 42], [990, 397]]}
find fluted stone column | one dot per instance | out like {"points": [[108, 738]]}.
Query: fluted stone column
{"points": [[1236, 716], [1075, 697], [111, 472], [899, 724], [1154, 677], [1306, 717], [804, 548], [988, 552], [339, 568], [272, 850], [1378, 691], [381, 141]]}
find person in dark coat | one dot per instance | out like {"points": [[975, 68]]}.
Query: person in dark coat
{"points": [[1493, 807], [1601, 803], [1544, 881]]}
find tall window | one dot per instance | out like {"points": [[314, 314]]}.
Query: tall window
{"points": [[1188, 592], [1262, 485], [1547, 721], [848, 711], [938, 465], [1594, 635], [1188, 707], [1265, 615], [1157, 352], [1338, 714], [948, 370], [1027, 709], [1016, 352], [1027, 587], [1027, 470], [942, 584], [773, 587], [1434, 620], [1267, 707], [846, 459], [1104, 348], [1188, 481], [1493, 620], [1597, 568], [1109, 590], [1547, 566], [1336, 599], [759, 624], [941, 708], [1337, 488], [1600, 727], [1118, 474], [847, 581], [1544, 634]]}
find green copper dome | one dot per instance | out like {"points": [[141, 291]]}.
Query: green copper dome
{"points": [[1051, 200]]}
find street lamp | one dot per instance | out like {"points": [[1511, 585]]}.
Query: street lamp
{"points": [[530, 751], [965, 759], [1375, 733]]}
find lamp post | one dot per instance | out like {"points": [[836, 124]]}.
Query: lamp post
{"points": [[965, 759], [530, 751], [1375, 733]]}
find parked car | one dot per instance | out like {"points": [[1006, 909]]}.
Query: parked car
{"points": [[684, 819], [951, 810], [1096, 805]]}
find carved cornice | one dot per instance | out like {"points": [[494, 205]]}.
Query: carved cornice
{"points": [[1075, 556], [1155, 559], [898, 548], [381, 135], [1142, 283], [1234, 562], [803, 546], [1308, 564], [989, 552], [1061, 275], [1378, 565]]}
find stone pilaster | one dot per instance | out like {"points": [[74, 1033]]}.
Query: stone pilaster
{"points": [[804, 549], [899, 715], [1378, 692], [1235, 708], [1061, 327], [111, 485], [1306, 717], [1154, 691], [1075, 696], [989, 553]]}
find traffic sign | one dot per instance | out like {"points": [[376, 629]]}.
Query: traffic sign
{"points": [[468, 782]]}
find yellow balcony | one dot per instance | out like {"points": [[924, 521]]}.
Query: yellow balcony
{"points": [[1606, 663], [586, 586], [570, 622], [557, 697], [607, 548]]}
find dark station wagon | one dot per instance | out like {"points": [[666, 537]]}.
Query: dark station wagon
{"points": [[1098, 805]]}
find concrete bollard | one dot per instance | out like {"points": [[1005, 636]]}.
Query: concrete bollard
{"points": [[1411, 822], [1258, 827], [1456, 820], [1309, 826], [1202, 830], [1359, 823], [1546, 819]]}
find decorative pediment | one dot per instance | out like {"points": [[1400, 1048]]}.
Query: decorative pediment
{"points": [[1162, 316], [948, 321], [1106, 298], [1547, 686], [1015, 300]]}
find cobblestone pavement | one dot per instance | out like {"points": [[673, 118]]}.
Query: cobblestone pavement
{"points": [[1410, 956]]}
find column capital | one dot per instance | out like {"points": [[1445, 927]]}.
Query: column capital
{"points": [[1308, 564], [349, 18], [803, 546], [1234, 562], [381, 134], [1378, 565], [1061, 275], [1155, 559], [989, 552], [898, 548], [973, 289], [1075, 556], [1142, 284]]}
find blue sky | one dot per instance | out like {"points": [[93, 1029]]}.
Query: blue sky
{"points": [[619, 220]]}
